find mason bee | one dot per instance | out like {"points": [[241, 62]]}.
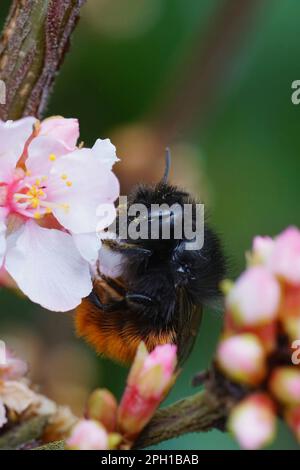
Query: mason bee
{"points": [[153, 289]]}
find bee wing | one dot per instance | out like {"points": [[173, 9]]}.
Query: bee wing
{"points": [[189, 320]]}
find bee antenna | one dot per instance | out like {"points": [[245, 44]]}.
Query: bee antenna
{"points": [[168, 166]]}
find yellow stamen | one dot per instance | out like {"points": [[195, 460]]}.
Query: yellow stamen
{"points": [[48, 210], [35, 203], [69, 183], [64, 176], [37, 215], [38, 182], [52, 157]]}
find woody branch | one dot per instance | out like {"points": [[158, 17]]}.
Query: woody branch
{"points": [[33, 45]]}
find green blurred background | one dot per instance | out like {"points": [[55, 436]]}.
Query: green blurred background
{"points": [[212, 79]]}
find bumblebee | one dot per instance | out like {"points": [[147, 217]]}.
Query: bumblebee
{"points": [[151, 290]]}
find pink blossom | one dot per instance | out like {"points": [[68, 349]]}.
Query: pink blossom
{"points": [[14, 368], [254, 298], [16, 396], [150, 378], [262, 249], [242, 358], [46, 181], [285, 385], [66, 131], [253, 421], [285, 258], [88, 435]]}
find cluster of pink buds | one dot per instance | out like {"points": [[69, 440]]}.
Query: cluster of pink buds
{"points": [[260, 345], [111, 426]]}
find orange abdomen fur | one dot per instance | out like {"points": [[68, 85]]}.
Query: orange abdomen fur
{"points": [[115, 334]]}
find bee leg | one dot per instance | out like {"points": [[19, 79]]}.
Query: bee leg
{"points": [[128, 248], [111, 307], [133, 249], [141, 299], [115, 285]]}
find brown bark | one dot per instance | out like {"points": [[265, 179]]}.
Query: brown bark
{"points": [[34, 42]]}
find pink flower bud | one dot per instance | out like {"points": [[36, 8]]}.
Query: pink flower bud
{"points": [[290, 305], [87, 435], [267, 334], [285, 385], [292, 417], [66, 131], [254, 299], [102, 406], [242, 358], [291, 326], [261, 249], [149, 380], [285, 258], [253, 421]]}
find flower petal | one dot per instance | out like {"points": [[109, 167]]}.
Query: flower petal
{"points": [[253, 422], [2, 241], [14, 368], [262, 249], [110, 262], [14, 134], [16, 395], [255, 297], [284, 261], [88, 435], [42, 152], [13, 137], [66, 131], [88, 245], [89, 184], [285, 385], [242, 358], [48, 268], [106, 151]]}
